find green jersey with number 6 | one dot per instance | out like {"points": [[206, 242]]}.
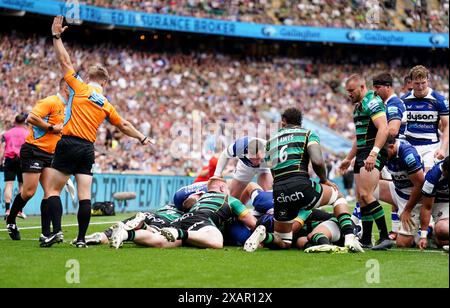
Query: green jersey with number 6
{"points": [[371, 108], [287, 152]]}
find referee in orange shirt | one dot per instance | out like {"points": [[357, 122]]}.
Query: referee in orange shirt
{"points": [[86, 109], [36, 155]]}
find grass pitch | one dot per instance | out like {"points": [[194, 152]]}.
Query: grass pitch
{"points": [[24, 264]]}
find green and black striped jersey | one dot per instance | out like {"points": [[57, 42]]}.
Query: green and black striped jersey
{"points": [[287, 152], [371, 108], [219, 207], [168, 212]]}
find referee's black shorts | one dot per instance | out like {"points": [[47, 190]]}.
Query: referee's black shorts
{"points": [[74, 155], [33, 159], [12, 170]]}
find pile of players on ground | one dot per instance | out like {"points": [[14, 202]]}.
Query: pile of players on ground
{"points": [[209, 215]]}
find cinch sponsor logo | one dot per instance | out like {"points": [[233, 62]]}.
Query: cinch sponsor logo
{"points": [[292, 198], [421, 116]]}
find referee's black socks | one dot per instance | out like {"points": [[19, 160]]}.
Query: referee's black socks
{"points": [[55, 209], [17, 207], [46, 219], [84, 217]]}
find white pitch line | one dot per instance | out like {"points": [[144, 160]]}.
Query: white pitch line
{"points": [[69, 225], [416, 250]]}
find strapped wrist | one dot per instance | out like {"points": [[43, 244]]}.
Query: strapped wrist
{"points": [[143, 140], [376, 150], [423, 234]]}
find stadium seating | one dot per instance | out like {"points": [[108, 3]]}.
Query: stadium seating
{"points": [[402, 15]]}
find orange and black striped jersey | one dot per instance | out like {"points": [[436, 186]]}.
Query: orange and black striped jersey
{"points": [[50, 110], [87, 109]]}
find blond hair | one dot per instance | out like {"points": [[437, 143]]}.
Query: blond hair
{"points": [[419, 72], [214, 181], [357, 78], [98, 72]]}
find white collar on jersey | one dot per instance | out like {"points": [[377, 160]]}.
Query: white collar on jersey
{"points": [[429, 96], [95, 84], [393, 95], [61, 98]]}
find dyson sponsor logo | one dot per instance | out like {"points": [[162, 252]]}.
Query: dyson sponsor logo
{"points": [[421, 116]]}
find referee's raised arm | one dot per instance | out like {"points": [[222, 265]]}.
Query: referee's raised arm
{"points": [[60, 51]]}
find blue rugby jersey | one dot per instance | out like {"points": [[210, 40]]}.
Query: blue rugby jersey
{"points": [[436, 185], [423, 117], [396, 110], [184, 192], [263, 201], [406, 162], [239, 149]]}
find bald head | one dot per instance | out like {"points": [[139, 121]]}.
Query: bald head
{"points": [[355, 85]]}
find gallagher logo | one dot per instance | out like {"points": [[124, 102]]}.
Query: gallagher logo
{"points": [[353, 36], [269, 31], [437, 39]]}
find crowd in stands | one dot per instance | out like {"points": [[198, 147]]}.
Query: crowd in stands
{"points": [[403, 15], [163, 94]]}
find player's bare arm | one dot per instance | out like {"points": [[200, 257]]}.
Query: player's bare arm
{"points": [[315, 154], [222, 163], [60, 51], [249, 220], [128, 129], [441, 153], [394, 127], [345, 164], [425, 217], [417, 179]]}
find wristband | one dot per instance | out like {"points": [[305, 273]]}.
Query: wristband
{"points": [[376, 150], [423, 234], [143, 140], [50, 128], [56, 36]]}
